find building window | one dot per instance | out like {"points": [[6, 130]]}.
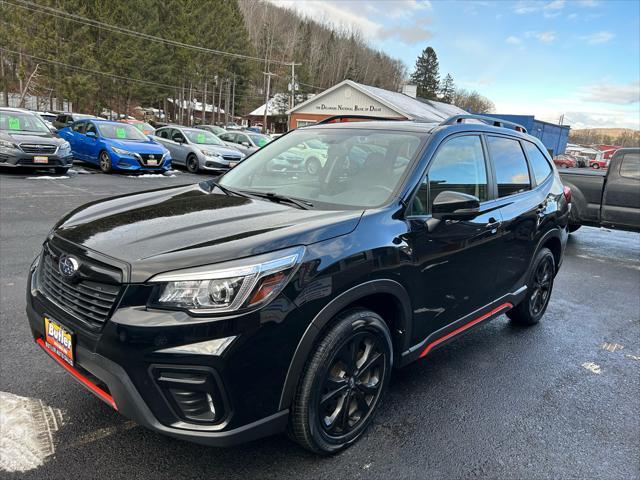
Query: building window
{"points": [[305, 123]]}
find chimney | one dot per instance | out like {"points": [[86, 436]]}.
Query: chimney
{"points": [[410, 90]]}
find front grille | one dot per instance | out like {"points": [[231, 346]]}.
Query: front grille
{"points": [[151, 156], [231, 158], [38, 148], [86, 300]]}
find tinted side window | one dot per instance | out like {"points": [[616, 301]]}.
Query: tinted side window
{"points": [[79, 127], [226, 137], [539, 165], [508, 159], [162, 133], [91, 128], [458, 166], [630, 165]]}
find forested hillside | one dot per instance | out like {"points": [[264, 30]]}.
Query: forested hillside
{"points": [[70, 49]]}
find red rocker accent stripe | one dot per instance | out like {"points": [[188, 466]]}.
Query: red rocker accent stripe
{"points": [[504, 306], [104, 396]]}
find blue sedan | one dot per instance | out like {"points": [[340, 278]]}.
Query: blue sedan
{"points": [[115, 146]]}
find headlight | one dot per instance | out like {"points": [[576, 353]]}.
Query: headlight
{"points": [[120, 151], [208, 153], [227, 287], [165, 154], [7, 144], [65, 146]]}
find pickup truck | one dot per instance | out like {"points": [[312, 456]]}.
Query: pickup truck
{"points": [[606, 199]]}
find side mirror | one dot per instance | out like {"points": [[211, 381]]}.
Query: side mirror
{"points": [[450, 205], [178, 139], [91, 134], [246, 144]]}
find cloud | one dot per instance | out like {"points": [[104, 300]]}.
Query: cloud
{"points": [[572, 16], [546, 37], [513, 40], [598, 37], [408, 35], [589, 3], [523, 7], [612, 93]]}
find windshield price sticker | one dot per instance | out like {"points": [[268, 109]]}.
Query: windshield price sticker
{"points": [[121, 132], [14, 123], [201, 138]]}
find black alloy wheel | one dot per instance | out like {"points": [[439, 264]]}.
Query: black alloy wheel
{"points": [[343, 382], [352, 384], [539, 287]]}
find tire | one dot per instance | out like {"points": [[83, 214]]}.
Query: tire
{"points": [[596, 166], [61, 170], [104, 160], [192, 164], [354, 358], [573, 227], [540, 285], [313, 166]]}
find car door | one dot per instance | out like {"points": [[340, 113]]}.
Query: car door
{"points": [[521, 208], [454, 261], [621, 197], [163, 136], [75, 136], [92, 144], [180, 145]]}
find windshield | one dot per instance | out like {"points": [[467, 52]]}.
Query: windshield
{"points": [[144, 127], [202, 137], [22, 122], [259, 140], [120, 131], [347, 168]]}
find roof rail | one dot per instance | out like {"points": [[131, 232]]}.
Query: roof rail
{"points": [[496, 122], [346, 118]]}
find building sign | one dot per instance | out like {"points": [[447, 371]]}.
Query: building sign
{"points": [[348, 108]]}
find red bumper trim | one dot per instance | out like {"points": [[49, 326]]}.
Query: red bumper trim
{"points": [[101, 394], [499, 309]]}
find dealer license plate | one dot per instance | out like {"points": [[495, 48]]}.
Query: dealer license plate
{"points": [[58, 340], [232, 164], [152, 162], [40, 159]]}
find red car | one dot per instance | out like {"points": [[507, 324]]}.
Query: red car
{"points": [[564, 161], [598, 163]]}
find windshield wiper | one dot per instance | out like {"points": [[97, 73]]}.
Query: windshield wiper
{"points": [[276, 197], [227, 191]]}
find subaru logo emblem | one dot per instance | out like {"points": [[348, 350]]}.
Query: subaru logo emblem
{"points": [[68, 266]]}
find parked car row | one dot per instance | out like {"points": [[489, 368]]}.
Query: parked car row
{"points": [[579, 161]]}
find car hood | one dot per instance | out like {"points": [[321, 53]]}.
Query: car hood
{"points": [[222, 150], [180, 227], [30, 137], [147, 146]]}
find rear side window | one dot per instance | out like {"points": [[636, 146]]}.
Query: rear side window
{"points": [[459, 166], [79, 127], [630, 165], [539, 165], [512, 173]]}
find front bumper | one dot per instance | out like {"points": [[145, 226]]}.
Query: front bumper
{"points": [[132, 164], [20, 159], [217, 164], [119, 372]]}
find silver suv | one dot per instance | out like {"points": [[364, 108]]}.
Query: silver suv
{"points": [[197, 149]]}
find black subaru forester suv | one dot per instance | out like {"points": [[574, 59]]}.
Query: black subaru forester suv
{"points": [[275, 300]]}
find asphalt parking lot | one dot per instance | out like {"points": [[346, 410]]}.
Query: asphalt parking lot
{"points": [[559, 400]]}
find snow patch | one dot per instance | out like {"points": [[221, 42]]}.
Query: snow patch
{"points": [[45, 177], [27, 427], [153, 175]]}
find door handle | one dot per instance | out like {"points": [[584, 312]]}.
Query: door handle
{"points": [[493, 223]]}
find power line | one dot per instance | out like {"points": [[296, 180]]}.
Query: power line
{"points": [[54, 12], [106, 74]]}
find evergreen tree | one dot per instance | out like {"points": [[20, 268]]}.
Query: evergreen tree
{"points": [[447, 90], [426, 75]]}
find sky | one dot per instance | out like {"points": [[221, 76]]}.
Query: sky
{"points": [[580, 58]]}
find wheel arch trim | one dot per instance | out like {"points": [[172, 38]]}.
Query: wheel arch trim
{"points": [[328, 312]]}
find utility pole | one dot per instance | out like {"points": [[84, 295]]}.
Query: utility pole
{"points": [[233, 98], [204, 104], [292, 98], [266, 100]]}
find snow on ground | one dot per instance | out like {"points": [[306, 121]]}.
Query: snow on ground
{"points": [[28, 427], [46, 177]]}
